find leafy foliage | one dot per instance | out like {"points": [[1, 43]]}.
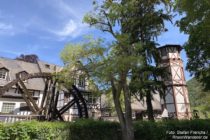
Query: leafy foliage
{"points": [[97, 130], [134, 24], [196, 23], [32, 131], [199, 98], [94, 130]]}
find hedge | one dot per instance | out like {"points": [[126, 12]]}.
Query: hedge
{"points": [[165, 130], [33, 130], [101, 130]]}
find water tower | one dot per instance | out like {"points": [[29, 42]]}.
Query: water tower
{"points": [[176, 94]]}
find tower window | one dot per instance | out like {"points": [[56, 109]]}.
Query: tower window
{"points": [[163, 52], [173, 50]]}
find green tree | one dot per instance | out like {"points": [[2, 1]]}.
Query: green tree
{"points": [[105, 70], [195, 22], [146, 22], [109, 70], [145, 82], [134, 24], [199, 98]]}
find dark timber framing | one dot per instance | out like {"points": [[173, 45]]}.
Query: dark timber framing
{"points": [[49, 102]]}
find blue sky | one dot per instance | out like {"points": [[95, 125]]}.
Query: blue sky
{"points": [[43, 27]]}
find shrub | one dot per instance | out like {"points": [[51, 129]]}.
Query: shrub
{"points": [[97, 130], [32, 131], [94, 130], [160, 130]]}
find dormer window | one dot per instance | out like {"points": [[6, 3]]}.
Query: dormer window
{"points": [[81, 82], [23, 74], [3, 73], [47, 66]]}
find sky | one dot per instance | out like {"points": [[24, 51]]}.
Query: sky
{"points": [[44, 27]]}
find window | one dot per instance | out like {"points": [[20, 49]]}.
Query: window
{"points": [[163, 52], [173, 50], [35, 94], [24, 107], [47, 66], [8, 107], [24, 74], [81, 82], [92, 99], [3, 73]]}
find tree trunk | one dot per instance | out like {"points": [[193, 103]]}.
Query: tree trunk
{"points": [[125, 120], [128, 112], [149, 107]]}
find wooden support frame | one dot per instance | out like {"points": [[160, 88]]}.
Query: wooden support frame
{"points": [[49, 101], [26, 100]]}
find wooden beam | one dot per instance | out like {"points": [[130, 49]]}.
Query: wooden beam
{"points": [[29, 76], [26, 99], [56, 100], [51, 98], [58, 114], [44, 93], [67, 106], [25, 90]]}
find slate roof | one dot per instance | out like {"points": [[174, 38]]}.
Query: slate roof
{"points": [[16, 66], [142, 106], [136, 105]]}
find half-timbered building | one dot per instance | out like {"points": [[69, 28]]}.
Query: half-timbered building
{"points": [[175, 103]]}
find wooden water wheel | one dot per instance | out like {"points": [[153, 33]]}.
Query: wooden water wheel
{"points": [[48, 107]]}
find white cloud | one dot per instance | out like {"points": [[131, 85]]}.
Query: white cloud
{"points": [[68, 29], [70, 14], [71, 29], [6, 29], [4, 26], [64, 8], [72, 8], [62, 21]]}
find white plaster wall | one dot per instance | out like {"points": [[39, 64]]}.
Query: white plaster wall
{"points": [[173, 55], [181, 107], [17, 107], [179, 96], [74, 111], [186, 95], [40, 98], [175, 71], [1, 103], [60, 100]]}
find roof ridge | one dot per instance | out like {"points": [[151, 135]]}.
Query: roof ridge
{"points": [[13, 59]]}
